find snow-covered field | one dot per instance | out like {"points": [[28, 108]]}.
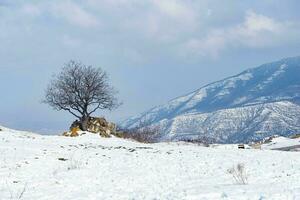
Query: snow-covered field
{"points": [[89, 167]]}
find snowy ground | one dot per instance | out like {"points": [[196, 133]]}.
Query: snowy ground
{"points": [[34, 167], [283, 143]]}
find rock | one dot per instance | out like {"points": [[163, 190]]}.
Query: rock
{"points": [[112, 127], [101, 126], [97, 125], [66, 134], [75, 124], [73, 132]]}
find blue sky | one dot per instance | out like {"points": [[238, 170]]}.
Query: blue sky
{"points": [[153, 50]]}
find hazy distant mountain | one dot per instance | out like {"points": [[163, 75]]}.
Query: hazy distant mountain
{"points": [[258, 102]]}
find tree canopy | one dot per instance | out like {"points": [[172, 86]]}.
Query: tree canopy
{"points": [[81, 90]]}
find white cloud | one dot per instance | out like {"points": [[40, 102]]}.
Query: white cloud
{"points": [[256, 31], [163, 22], [255, 22], [175, 9], [211, 45], [74, 14], [150, 27]]}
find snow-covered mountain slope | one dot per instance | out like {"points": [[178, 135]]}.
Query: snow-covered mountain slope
{"points": [[235, 125], [266, 84], [40, 167]]}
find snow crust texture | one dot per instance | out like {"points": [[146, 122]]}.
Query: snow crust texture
{"points": [[88, 167]]}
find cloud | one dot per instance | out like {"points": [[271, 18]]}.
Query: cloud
{"points": [[151, 27], [256, 31], [211, 45], [259, 30], [74, 14], [159, 21], [174, 9], [255, 23]]}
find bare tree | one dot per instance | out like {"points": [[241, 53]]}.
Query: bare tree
{"points": [[81, 90]]}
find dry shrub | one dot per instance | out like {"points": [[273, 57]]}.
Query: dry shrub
{"points": [[118, 134], [239, 174], [14, 193], [144, 133], [295, 136], [203, 140], [74, 164]]}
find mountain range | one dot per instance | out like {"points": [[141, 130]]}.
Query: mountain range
{"points": [[257, 103]]}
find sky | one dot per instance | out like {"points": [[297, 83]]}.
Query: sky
{"points": [[153, 50]]}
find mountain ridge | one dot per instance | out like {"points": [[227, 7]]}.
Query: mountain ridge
{"points": [[271, 82]]}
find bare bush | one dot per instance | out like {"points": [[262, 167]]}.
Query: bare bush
{"points": [[144, 132], [295, 136], [203, 140], [16, 194], [71, 163], [75, 162], [239, 174]]}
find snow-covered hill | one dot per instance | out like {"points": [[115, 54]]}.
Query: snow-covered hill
{"points": [[282, 144], [223, 109], [40, 167]]}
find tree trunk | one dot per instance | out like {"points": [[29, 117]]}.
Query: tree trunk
{"points": [[84, 123]]}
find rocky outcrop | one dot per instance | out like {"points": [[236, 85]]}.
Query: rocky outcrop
{"points": [[101, 126], [97, 125]]}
